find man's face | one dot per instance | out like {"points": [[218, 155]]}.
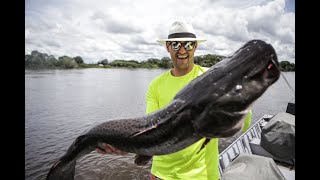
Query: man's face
{"points": [[182, 53]]}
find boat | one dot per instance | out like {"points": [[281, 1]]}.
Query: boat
{"points": [[252, 156]]}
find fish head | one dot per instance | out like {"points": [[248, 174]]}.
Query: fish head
{"points": [[235, 83]]}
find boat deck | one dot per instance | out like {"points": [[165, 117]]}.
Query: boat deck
{"points": [[249, 142]]}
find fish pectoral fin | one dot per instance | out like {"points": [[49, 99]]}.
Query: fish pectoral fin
{"points": [[171, 110], [143, 131], [141, 160]]}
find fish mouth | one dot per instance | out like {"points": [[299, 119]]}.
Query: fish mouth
{"points": [[250, 85], [272, 72], [269, 73], [255, 84]]}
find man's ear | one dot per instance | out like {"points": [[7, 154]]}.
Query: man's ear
{"points": [[195, 45], [167, 46]]}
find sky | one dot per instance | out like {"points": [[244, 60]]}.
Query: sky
{"points": [[129, 30]]}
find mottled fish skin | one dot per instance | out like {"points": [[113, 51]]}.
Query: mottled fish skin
{"points": [[213, 106]]}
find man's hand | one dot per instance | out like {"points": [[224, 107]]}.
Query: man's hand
{"points": [[108, 149]]}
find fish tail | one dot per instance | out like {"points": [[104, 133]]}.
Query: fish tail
{"points": [[62, 170]]}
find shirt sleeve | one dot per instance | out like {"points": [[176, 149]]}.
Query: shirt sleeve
{"points": [[152, 101], [247, 121]]}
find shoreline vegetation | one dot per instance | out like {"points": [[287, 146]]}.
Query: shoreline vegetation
{"points": [[37, 60]]}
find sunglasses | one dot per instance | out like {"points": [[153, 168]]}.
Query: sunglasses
{"points": [[176, 45]]}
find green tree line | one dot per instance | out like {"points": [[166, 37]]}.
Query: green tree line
{"points": [[37, 60]]}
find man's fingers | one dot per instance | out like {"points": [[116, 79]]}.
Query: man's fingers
{"points": [[108, 149], [99, 150], [115, 150]]}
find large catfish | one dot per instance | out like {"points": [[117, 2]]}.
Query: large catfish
{"points": [[212, 106]]}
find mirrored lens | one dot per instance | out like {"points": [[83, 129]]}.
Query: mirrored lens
{"points": [[189, 45], [175, 45]]}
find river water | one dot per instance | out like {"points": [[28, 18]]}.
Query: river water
{"points": [[61, 104]]}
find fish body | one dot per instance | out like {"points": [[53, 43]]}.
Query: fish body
{"points": [[212, 105]]}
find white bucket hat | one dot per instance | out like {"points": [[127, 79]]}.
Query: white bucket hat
{"points": [[181, 31]]}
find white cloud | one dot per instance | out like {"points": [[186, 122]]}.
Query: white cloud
{"points": [[123, 29]]}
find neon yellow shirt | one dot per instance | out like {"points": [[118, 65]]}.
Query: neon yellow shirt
{"points": [[186, 163]]}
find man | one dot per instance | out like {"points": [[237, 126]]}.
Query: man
{"points": [[188, 163]]}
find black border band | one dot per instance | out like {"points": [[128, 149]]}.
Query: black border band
{"points": [[181, 35]]}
